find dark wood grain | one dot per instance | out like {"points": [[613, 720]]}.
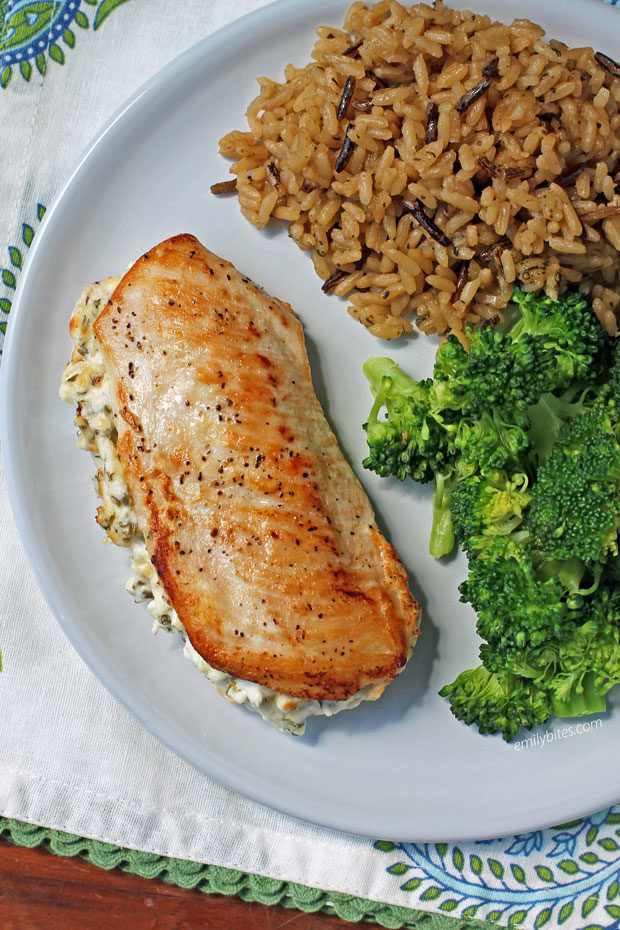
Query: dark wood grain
{"points": [[42, 891]]}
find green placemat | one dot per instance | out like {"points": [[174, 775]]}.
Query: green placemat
{"points": [[214, 879]]}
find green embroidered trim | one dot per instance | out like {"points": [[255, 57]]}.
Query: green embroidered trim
{"points": [[214, 879]]}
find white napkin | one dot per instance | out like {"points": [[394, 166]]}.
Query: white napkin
{"points": [[72, 758]]}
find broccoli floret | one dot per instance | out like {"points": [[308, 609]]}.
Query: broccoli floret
{"points": [[516, 609], [487, 513], [613, 377], [590, 442], [568, 328], [490, 402], [477, 405], [577, 667], [603, 647], [547, 652], [575, 509], [493, 441], [450, 360], [573, 574], [496, 703], [552, 411], [441, 540], [410, 441], [506, 373], [494, 372]]}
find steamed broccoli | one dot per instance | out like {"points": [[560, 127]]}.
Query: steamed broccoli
{"points": [[551, 345], [613, 373], [441, 540], [448, 429], [520, 430], [549, 414], [502, 702], [515, 608], [488, 511], [412, 441], [493, 440], [578, 668], [568, 673], [493, 372], [487, 405], [480, 396], [496, 703], [568, 328], [487, 444], [575, 509]]}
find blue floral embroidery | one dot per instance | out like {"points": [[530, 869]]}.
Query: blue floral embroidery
{"points": [[565, 844], [525, 843], [567, 876], [33, 30]]}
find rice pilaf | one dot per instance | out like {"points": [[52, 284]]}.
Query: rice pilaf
{"points": [[430, 158]]}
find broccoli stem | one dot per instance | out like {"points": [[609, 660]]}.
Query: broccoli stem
{"points": [[442, 533], [570, 573], [581, 701], [548, 416], [378, 368]]}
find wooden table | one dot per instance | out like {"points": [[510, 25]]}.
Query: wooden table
{"points": [[42, 891]]}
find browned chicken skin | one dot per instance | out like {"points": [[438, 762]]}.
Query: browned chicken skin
{"points": [[261, 534]]}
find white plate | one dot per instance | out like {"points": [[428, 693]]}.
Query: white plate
{"points": [[402, 768]]}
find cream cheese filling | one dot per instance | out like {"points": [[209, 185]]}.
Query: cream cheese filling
{"points": [[86, 383]]}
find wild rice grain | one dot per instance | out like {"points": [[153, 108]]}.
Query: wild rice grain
{"points": [[371, 74], [492, 69], [333, 280], [224, 187], [488, 166], [347, 94], [352, 49], [607, 63], [461, 279], [432, 114], [466, 101], [600, 213], [344, 156], [418, 213], [493, 251], [566, 177], [517, 171]]}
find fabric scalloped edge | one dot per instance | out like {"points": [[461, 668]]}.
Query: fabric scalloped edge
{"points": [[214, 879]]}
